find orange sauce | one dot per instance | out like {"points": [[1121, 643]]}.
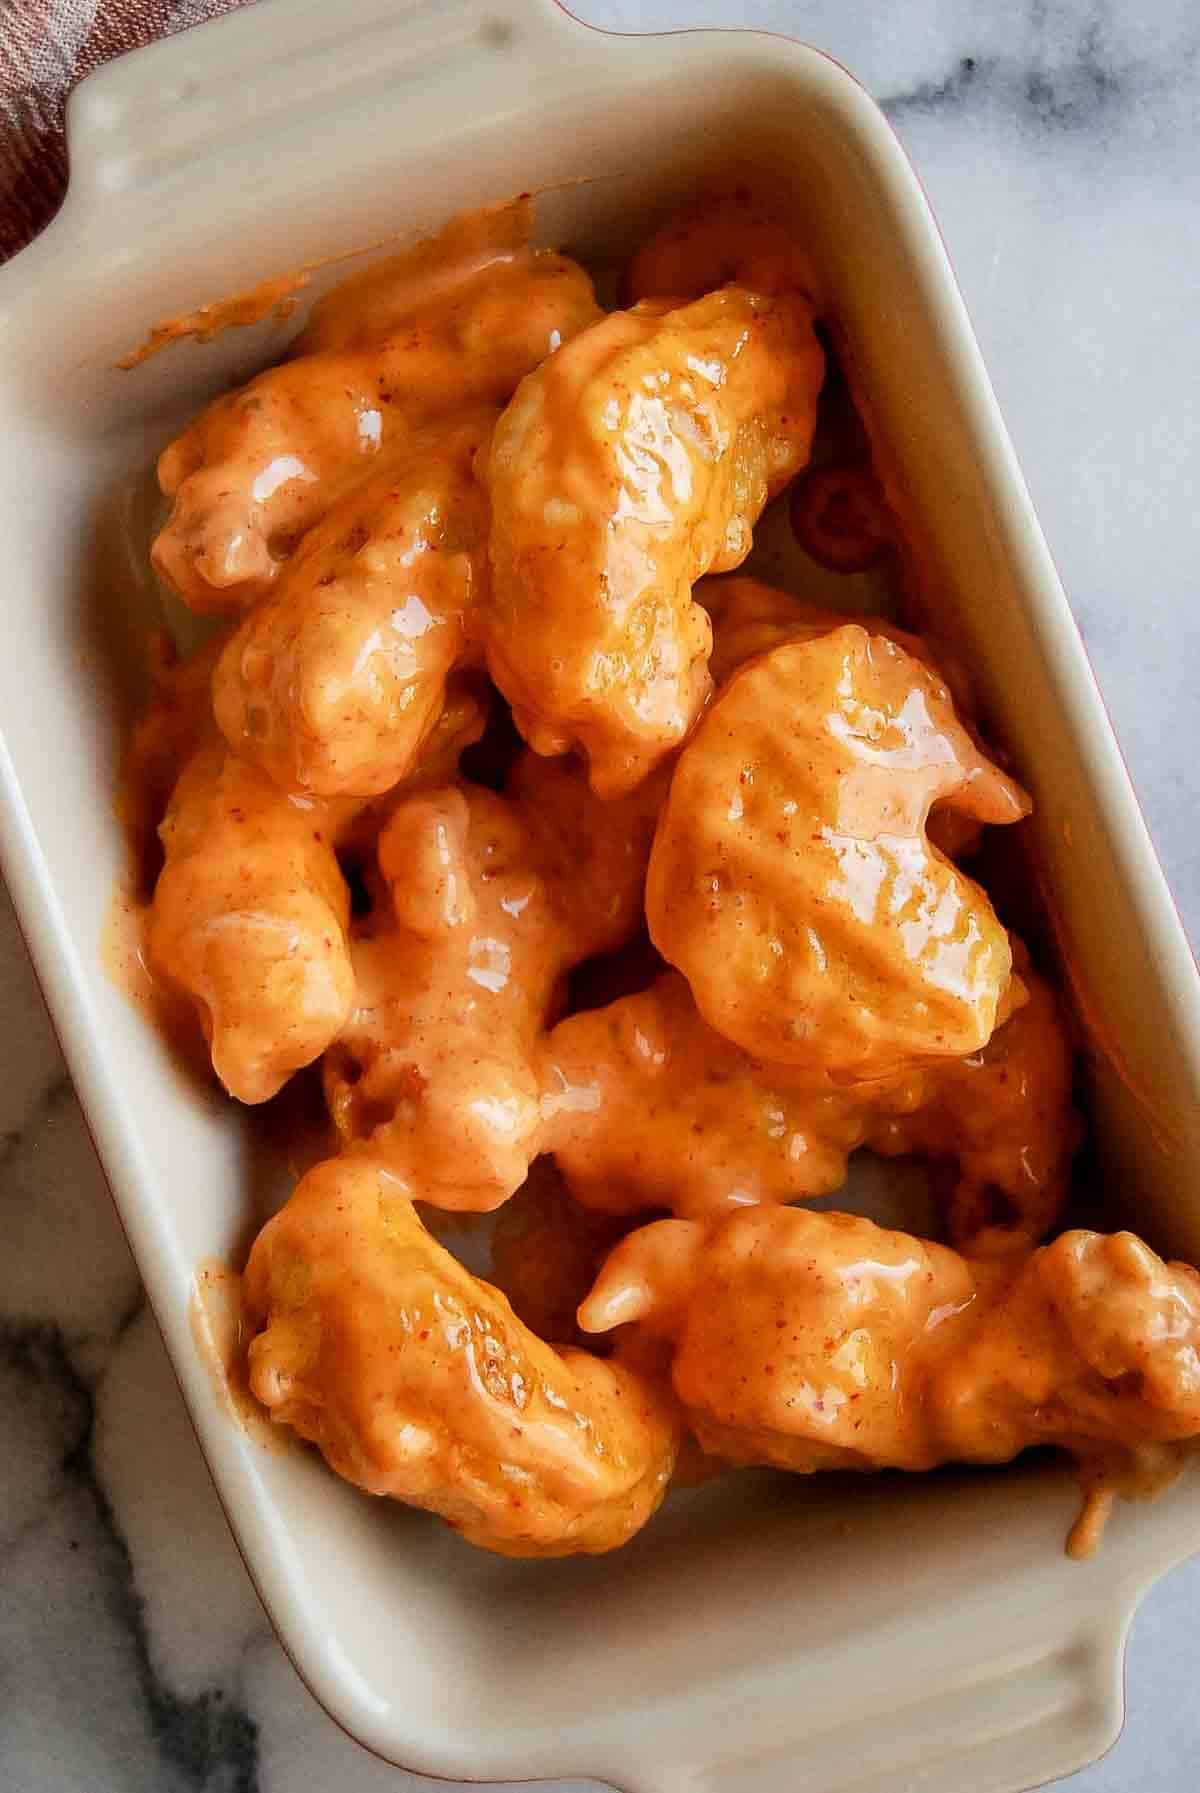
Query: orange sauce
{"points": [[1141, 1472], [215, 1313], [125, 961], [471, 239], [274, 297], [1087, 1533]]}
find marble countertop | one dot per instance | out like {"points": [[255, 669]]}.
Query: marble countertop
{"points": [[1058, 142]]}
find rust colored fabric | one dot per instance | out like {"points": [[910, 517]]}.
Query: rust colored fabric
{"points": [[46, 48]]}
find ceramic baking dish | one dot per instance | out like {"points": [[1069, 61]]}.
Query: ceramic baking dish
{"points": [[760, 1634]]}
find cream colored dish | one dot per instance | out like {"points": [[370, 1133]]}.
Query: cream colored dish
{"points": [[945, 1638]]}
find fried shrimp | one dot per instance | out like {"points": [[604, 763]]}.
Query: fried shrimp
{"points": [[821, 1341], [792, 880], [262, 465], [334, 682], [645, 1106], [609, 1003], [628, 465], [473, 268], [416, 1380], [457, 975], [249, 919]]}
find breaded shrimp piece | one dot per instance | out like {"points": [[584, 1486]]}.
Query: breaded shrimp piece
{"points": [[249, 919], [333, 683], [633, 461], [436, 1069], [822, 1341], [749, 618], [1005, 1116], [262, 465], [645, 1106], [723, 235], [416, 1380], [793, 883], [433, 1070]]}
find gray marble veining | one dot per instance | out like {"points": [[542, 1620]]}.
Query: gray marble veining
{"points": [[1058, 142]]}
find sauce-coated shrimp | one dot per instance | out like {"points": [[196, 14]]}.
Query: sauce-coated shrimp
{"points": [[333, 683], [416, 1380], [629, 464], [821, 1341], [645, 1106], [792, 881], [249, 918]]}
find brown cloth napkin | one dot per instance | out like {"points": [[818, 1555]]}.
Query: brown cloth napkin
{"points": [[46, 47]]}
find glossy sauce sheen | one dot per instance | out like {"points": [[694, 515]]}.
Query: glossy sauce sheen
{"points": [[217, 1322], [333, 683]]}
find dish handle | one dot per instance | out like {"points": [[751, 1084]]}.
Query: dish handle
{"points": [[244, 98], [1001, 1727]]}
